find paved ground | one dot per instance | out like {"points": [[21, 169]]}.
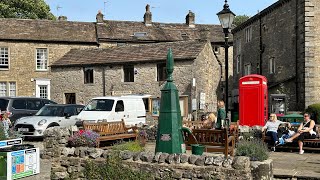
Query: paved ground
{"points": [[286, 165]]}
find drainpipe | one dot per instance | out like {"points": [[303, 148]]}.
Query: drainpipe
{"points": [[296, 54], [103, 81], [261, 45]]}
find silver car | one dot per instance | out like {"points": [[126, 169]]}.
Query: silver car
{"points": [[48, 116]]}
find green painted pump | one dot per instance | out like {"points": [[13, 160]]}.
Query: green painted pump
{"points": [[169, 135]]}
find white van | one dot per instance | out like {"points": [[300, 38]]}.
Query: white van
{"points": [[112, 108]]}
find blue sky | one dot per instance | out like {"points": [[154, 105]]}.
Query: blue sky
{"points": [[169, 11]]}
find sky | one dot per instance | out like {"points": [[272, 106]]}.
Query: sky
{"points": [[165, 11]]}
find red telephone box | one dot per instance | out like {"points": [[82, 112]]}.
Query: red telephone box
{"points": [[253, 100]]}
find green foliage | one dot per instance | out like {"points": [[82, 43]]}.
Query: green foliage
{"points": [[132, 146], [240, 19], [254, 148], [12, 134], [314, 111], [25, 9], [2, 133], [113, 168]]}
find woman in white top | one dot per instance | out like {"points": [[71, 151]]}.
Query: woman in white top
{"points": [[272, 127]]}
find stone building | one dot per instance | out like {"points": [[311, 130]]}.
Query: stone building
{"points": [[281, 43], [138, 69], [28, 48]]}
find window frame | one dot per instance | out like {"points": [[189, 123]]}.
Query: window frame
{"points": [[161, 72], [45, 68], [128, 73], [238, 60], [88, 75], [4, 58], [7, 88], [272, 66], [248, 34], [247, 69]]}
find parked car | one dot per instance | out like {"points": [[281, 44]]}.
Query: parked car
{"points": [[48, 116], [18, 107]]}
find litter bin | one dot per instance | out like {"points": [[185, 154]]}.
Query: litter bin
{"points": [[197, 149], [18, 160]]}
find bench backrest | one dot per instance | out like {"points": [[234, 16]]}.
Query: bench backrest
{"points": [[116, 127], [210, 137], [193, 124]]}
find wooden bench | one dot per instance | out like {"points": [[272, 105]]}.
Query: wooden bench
{"points": [[110, 130], [233, 128], [309, 144], [214, 140]]}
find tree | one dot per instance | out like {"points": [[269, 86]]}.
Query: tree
{"points": [[240, 19], [25, 9]]}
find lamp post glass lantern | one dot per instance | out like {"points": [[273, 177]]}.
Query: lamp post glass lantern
{"points": [[226, 17]]}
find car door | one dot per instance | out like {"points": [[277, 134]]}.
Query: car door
{"points": [[70, 114], [119, 111]]}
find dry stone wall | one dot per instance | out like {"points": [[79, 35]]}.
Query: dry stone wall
{"points": [[70, 161]]}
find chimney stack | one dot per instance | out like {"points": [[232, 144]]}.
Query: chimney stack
{"points": [[147, 16], [62, 18], [99, 17], [190, 18]]}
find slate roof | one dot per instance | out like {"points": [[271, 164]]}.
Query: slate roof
{"points": [[124, 30], [182, 50], [47, 30]]}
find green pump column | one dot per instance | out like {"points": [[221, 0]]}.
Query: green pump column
{"points": [[169, 135]]}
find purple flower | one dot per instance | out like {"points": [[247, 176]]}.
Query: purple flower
{"points": [[84, 138]]}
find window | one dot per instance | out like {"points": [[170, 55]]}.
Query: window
{"points": [[272, 66], [7, 89], [128, 71], [139, 34], [43, 91], [4, 58], [12, 89], [248, 34], [34, 104], [3, 89], [119, 106], [247, 69], [42, 59], [238, 64], [238, 46], [88, 75], [19, 104], [161, 72]]}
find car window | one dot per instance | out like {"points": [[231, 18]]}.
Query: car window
{"points": [[50, 111], [4, 104], [70, 110], [34, 104], [19, 104], [119, 106], [99, 105], [79, 109], [46, 101]]}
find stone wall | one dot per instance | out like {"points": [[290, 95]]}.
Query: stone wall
{"points": [[67, 161]]}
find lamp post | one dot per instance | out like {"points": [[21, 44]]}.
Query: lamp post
{"points": [[226, 17]]}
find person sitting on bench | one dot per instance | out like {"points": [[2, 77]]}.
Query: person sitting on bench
{"points": [[272, 129], [306, 130]]}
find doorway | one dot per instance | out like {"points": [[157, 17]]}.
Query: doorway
{"points": [[70, 98]]}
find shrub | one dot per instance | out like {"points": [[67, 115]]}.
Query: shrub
{"points": [[314, 111], [113, 168], [254, 148], [84, 138], [132, 146]]}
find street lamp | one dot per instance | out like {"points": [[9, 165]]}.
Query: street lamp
{"points": [[226, 17]]}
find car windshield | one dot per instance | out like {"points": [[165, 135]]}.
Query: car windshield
{"points": [[99, 105], [50, 111], [3, 104]]}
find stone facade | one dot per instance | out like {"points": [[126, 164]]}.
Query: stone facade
{"points": [[22, 63], [204, 68], [285, 33]]}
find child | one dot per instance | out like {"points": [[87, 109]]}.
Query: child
{"points": [[6, 124]]}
